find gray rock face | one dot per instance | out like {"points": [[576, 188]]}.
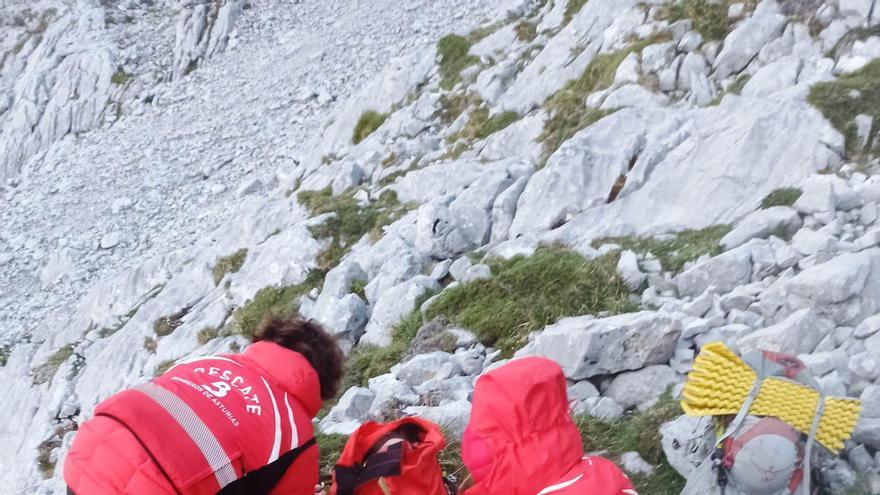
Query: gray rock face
{"points": [[844, 289], [748, 38], [354, 405], [435, 365], [634, 388], [800, 333], [633, 463], [724, 272], [393, 305], [687, 442], [202, 31], [685, 176], [781, 221], [585, 346]]}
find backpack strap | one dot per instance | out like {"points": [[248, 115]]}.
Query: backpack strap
{"points": [[263, 480], [377, 466]]}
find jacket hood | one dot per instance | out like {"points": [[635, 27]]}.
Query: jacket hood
{"points": [[290, 370], [521, 436]]}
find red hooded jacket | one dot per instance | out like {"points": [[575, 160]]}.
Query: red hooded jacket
{"points": [[200, 426], [521, 439]]}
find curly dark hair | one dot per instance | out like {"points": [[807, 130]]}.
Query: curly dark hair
{"points": [[316, 344]]}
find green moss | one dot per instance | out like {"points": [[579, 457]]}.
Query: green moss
{"points": [[528, 293], [150, 345], [46, 371], [568, 112], [330, 448], [526, 31], [639, 432], [206, 335], [480, 125], [709, 18], [162, 367], [786, 196], [368, 122], [453, 51], [350, 222], [272, 301], [841, 100], [120, 78], [675, 252], [571, 10], [166, 325], [228, 264]]}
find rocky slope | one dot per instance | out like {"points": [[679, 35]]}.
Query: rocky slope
{"points": [[610, 183]]}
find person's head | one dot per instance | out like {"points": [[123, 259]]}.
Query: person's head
{"points": [[310, 339]]}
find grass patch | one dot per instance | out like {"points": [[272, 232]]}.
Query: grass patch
{"points": [[5, 351], [526, 31], [673, 253], [786, 196], [368, 122], [528, 293], [206, 335], [841, 100], [571, 10], [44, 372], [568, 112], [482, 32], [162, 367], [228, 264], [709, 18], [120, 78], [272, 301], [480, 125], [330, 448], [639, 432], [452, 105], [453, 51], [350, 221], [358, 288], [166, 325]]}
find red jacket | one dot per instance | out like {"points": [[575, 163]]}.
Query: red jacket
{"points": [[521, 439], [200, 426]]}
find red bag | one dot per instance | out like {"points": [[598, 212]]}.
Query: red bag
{"points": [[409, 466]]}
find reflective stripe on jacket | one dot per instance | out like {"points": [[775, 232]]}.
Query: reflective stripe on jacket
{"points": [[207, 421]]}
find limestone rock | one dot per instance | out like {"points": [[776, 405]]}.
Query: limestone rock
{"points": [[585, 346]]}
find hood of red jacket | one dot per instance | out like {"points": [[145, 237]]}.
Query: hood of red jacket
{"points": [[290, 370], [521, 436]]}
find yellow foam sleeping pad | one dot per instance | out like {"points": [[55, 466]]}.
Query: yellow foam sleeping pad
{"points": [[720, 382]]}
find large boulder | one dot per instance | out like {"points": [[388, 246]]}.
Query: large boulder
{"points": [[780, 221], [845, 289], [744, 42], [800, 333], [393, 305], [724, 272], [586, 346], [634, 388], [693, 169]]}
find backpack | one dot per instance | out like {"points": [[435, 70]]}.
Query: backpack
{"points": [[778, 414], [370, 466]]}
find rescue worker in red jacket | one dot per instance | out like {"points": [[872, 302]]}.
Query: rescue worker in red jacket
{"points": [[204, 424], [521, 439]]}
